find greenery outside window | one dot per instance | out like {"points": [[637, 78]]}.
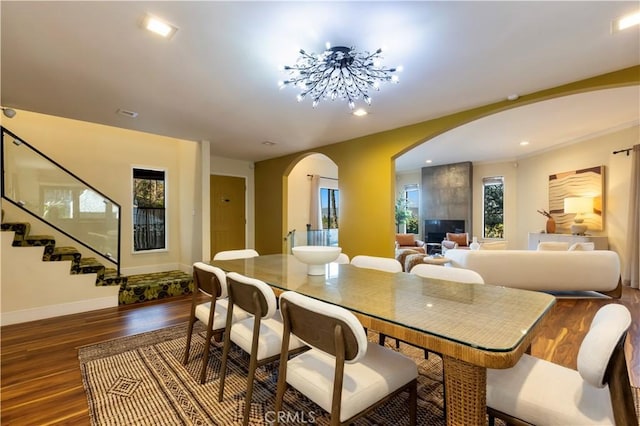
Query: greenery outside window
{"points": [[493, 207], [329, 205], [411, 194], [149, 210]]}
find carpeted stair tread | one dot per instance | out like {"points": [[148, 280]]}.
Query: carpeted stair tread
{"points": [[67, 253], [90, 265], [157, 285], [111, 277], [21, 229], [46, 241]]}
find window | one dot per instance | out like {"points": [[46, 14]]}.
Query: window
{"points": [[149, 219], [58, 203], [412, 195], [493, 207], [329, 205]]}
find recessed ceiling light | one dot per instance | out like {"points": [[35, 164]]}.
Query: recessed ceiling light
{"points": [[524, 143], [158, 26], [268, 143], [429, 161], [127, 113], [626, 21], [361, 112]]}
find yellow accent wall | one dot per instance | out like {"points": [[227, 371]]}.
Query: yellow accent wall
{"points": [[367, 174]]}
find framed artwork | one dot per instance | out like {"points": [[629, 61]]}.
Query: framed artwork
{"points": [[577, 183]]}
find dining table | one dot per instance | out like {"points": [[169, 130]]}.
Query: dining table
{"points": [[472, 326]]}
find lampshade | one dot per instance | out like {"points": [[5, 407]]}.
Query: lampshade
{"points": [[578, 205]]}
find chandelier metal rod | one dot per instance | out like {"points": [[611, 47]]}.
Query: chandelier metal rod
{"points": [[338, 72]]}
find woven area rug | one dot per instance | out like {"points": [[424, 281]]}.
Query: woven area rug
{"points": [[140, 380]]}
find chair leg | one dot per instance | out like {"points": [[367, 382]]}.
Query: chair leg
{"points": [[223, 366], [205, 357], [187, 349], [413, 403], [282, 386], [253, 365]]}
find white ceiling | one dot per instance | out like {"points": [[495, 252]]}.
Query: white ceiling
{"points": [[216, 79]]}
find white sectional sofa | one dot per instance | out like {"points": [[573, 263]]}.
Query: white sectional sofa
{"points": [[596, 270]]}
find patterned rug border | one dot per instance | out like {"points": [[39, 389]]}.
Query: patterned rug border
{"points": [[109, 347]]}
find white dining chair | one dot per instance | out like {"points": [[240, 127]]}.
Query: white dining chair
{"points": [[447, 273], [536, 391], [374, 262], [259, 335], [235, 254], [342, 259], [210, 281], [343, 372], [441, 273]]}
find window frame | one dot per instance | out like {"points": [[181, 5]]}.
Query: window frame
{"points": [[165, 173], [413, 187], [492, 181]]}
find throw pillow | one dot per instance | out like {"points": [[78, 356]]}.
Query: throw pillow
{"points": [[553, 245], [461, 239], [587, 246]]}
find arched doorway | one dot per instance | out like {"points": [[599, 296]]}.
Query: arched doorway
{"points": [[312, 202]]}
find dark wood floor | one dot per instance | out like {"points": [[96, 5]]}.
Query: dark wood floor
{"points": [[41, 383]]}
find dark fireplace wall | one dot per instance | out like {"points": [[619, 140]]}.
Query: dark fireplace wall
{"points": [[447, 193]]}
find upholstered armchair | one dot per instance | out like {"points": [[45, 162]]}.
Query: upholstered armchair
{"points": [[455, 241], [409, 241]]}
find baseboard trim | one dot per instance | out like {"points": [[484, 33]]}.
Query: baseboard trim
{"points": [[43, 312]]}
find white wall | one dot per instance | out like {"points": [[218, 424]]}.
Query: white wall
{"points": [[299, 191], [533, 175]]}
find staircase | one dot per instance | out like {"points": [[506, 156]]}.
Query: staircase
{"points": [[133, 288]]}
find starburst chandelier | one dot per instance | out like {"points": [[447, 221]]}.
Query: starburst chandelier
{"points": [[338, 73]]}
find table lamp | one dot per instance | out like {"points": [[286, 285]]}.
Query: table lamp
{"points": [[579, 206]]}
